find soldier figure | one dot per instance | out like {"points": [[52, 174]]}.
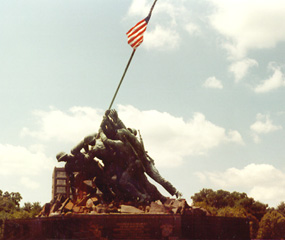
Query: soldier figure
{"points": [[125, 162], [129, 135], [127, 144], [88, 169]]}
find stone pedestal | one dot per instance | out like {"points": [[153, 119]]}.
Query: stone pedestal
{"points": [[128, 226]]}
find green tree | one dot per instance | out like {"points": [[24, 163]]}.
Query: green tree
{"points": [[32, 209], [6, 195], [281, 208], [202, 196], [272, 226], [253, 207], [36, 208], [232, 212], [16, 198], [235, 204], [10, 206], [217, 199], [239, 211], [27, 207], [211, 210], [221, 199], [7, 205]]}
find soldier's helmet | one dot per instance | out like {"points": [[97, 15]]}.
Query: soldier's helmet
{"points": [[133, 131], [61, 156], [90, 139]]}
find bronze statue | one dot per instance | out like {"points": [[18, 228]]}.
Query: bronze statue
{"points": [[116, 161]]}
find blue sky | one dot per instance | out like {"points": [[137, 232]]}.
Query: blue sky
{"points": [[205, 89]]}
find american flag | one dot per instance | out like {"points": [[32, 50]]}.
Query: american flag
{"points": [[135, 34]]}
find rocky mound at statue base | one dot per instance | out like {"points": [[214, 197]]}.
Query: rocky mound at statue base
{"points": [[94, 205]]}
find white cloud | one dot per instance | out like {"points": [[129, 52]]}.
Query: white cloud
{"points": [[69, 126], [27, 170], [164, 32], [213, 82], [244, 24], [161, 38], [28, 183], [240, 68], [20, 161], [277, 80], [169, 139], [234, 136], [169, 9], [262, 125], [139, 8], [263, 182], [192, 28], [247, 25]]}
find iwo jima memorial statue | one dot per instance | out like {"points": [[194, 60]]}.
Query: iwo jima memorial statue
{"points": [[111, 196]]}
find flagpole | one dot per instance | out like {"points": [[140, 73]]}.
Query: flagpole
{"points": [[150, 12], [134, 49], [126, 69]]}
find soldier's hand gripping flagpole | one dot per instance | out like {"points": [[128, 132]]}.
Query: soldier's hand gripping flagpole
{"points": [[135, 38]]}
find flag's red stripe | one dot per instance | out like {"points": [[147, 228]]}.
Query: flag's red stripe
{"points": [[135, 40], [136, 25], [141, 32], [138, 42], [136, 29], [131, 38], [135, 34]]}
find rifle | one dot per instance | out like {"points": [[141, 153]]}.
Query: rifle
{"points": [[144, 151], [135, 152]]}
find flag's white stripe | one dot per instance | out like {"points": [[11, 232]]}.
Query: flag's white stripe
{"points": [[136, 44], [134, 41], [138, 34], [135, 34], [138, 24], [137, 29]]}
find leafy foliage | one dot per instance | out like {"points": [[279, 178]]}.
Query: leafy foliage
{"points": [[235, 204], [235, 200], [281, 208], [272, 226], [10, 206]]}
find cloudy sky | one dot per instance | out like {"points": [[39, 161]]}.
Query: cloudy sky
{"points": [[206, 89]]}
